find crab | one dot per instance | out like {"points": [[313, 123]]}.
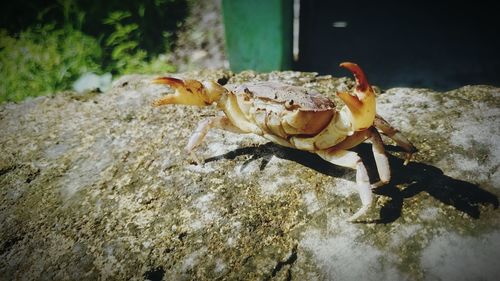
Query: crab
{"points": [[299, 118]]}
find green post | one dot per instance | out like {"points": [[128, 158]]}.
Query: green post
{"points": [[259, 34]]}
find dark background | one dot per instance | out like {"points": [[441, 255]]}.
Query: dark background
{"points": [[439, 45]]}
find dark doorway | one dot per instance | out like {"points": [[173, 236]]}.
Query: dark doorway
{"points": [[439, 45]]}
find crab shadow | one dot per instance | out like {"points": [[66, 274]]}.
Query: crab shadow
{"points": [[415, 178]]}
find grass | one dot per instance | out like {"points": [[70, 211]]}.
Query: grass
{"points": [[48, 53], [44, 60]]}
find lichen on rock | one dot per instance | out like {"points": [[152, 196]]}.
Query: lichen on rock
{"points": [[99, 187]]}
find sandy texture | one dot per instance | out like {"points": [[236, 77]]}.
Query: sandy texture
{"points": [[98, 187]]}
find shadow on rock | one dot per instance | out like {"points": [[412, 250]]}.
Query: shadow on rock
{"points": [[415, 178]]}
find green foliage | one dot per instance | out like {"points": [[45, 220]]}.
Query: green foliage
{"points": [[46, 45], [43, 60], [126, 55]]}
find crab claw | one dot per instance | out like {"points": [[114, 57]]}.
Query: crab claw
{"points": [[362, 103], [189, 92]]}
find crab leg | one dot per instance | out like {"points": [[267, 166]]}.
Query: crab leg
{"points": [[383, 168], [381, 161], [351, 159], [219, 122], [388, 130]]}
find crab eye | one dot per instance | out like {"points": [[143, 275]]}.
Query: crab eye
{"points": [[289, 104]]}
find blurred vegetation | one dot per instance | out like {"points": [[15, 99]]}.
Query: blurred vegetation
{"points": [[46, 45], [43, 59]]}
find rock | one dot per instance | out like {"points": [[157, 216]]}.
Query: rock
{"points": [[99, 187], [89, 82], [200, 41]]}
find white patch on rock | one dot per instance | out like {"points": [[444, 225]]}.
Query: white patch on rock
{"points": [[85, 171], [270, 187], [495, 178], [143, 219], [147, 244], [220, 266], [190, 260], [247, 168], [397, 100], [461, 164], [343, 187], [311, 202], [57, 150], [204, 168], [453, 257], [429, 213], [231, 241], [404, 233], [215, 144], [90, 82], [130, 100], [341, 257], [220, 142], [273, 178], [475, 130], [207, 214], [478, 134]]}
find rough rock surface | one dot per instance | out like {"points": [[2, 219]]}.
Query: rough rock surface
{"points": [[200, 40], [98, 186]]}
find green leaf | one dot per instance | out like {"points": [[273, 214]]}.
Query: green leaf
{"points": [[116, 16]]}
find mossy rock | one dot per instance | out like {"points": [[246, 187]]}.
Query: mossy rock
{"points": [[101, 188]]}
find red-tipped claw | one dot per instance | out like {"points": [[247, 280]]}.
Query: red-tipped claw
{"points": [[189, 92], [362, 103], [170, 81], [361, 82]]}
